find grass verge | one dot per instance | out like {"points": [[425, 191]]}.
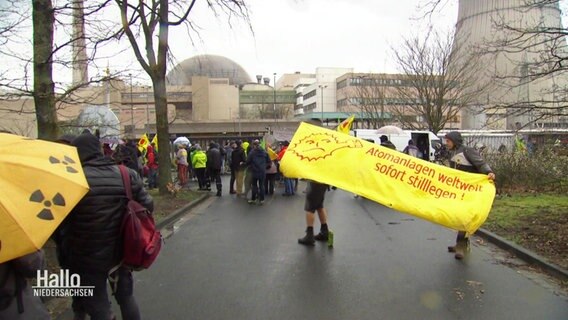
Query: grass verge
{"points": [[164, 205], [538, 222]]}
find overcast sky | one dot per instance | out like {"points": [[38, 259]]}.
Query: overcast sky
{"points": [[286, 36], [300, 35]]}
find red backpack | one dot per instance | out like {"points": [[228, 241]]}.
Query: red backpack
{"points": [[141, 242]]}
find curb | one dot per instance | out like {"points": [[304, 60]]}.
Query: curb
{"points": [[524, 254], [179, 212]]}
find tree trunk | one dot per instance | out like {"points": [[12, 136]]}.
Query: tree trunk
{"points": [[162, 129], [43, 91]]}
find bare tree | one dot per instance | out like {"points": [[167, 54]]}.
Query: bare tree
{"points": [[44, 88], [53, 38], [369, 98], [437, 84], [155, 18]]}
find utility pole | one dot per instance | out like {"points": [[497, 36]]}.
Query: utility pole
{"points": [[274, 94], [322, 87]]}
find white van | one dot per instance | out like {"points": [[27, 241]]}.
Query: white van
{"points": [[424, 140]]}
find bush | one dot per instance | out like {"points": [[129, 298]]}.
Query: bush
{"points": [[521, 172]]}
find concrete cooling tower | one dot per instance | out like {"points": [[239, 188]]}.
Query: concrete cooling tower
{"points": [[495, 32]]}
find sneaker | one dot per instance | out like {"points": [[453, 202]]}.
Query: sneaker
{"points": [[261, 202], [452, 249], [322, 236], [250, 201], [232, 192]]}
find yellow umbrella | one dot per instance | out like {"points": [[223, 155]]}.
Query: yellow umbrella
{"points": [[40, 182]]}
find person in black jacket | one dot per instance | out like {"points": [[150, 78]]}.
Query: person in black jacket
{"points": [[385, 142], [465, 159], [238, 160], [257, 160], [214, 163], [90, 241]]}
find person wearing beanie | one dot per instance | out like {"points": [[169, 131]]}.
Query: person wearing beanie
{"points": [[465, 159], [386, 143], [90, 235]]}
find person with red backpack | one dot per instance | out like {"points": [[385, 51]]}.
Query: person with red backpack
{"points": [[91, 239]]}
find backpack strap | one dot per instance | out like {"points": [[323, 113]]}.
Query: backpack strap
{"points": [[126, 181]]}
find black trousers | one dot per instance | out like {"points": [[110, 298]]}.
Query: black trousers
{"points": [[215, 175], [269, 183]]}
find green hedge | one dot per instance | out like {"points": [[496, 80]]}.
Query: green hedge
{"points": [[543, 171]]}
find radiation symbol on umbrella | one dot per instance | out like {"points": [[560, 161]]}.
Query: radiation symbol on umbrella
{"points": [[45, 213], [66, 162]]}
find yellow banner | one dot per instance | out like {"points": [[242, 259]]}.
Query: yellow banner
{"points": [[451, 198]]}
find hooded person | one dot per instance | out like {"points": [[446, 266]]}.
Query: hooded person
{"points": [[258, 161], [465, 159], [412, 150], [214, 163], [91, 233]]}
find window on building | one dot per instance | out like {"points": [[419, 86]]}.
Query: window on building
{"points": [[310, 94]]}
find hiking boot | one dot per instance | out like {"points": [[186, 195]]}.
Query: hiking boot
{"points": [[321, 236], [461, 248], [308, 240]]}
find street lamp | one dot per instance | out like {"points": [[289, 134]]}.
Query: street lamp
{"points": [[274, 93], [239, 88], [322, 87]]}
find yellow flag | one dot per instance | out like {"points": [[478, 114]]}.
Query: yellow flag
{"points": [[273, 155], [451, 198], [143, 142], [346, 124], [155, 141]]}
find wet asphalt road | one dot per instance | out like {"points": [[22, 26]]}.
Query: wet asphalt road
{"points": [[236, 261]]}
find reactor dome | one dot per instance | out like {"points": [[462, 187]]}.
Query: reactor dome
{"points": [[211, 66]]}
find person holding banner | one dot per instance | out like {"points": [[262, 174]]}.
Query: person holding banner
{"points": [[465, 159], [315, 195]]}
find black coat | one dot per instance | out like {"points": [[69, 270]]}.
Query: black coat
{"points": [[214, 159], [258, 160], [90, 235], [238, 156]]}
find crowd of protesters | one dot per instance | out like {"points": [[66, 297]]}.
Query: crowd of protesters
{"points": [[253, 173]]}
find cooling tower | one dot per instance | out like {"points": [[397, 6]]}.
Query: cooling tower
{"points": [[492, 30]]}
